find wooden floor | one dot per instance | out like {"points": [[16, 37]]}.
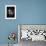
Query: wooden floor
{"points": [[9, 45], [30, 43]]}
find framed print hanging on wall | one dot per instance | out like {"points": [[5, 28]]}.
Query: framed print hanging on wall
{"points": [[10, 11]]}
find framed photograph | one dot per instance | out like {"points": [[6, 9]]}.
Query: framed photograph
{"points": [[10, 11], [32, 32]]}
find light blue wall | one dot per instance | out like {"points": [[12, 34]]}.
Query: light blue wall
{"points": [[27, 12]]}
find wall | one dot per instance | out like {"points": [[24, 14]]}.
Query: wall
{"points": [[27, 12]]}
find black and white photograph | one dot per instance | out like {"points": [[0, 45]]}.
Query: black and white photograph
{"points": [[10, 12], [30, 34]]}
